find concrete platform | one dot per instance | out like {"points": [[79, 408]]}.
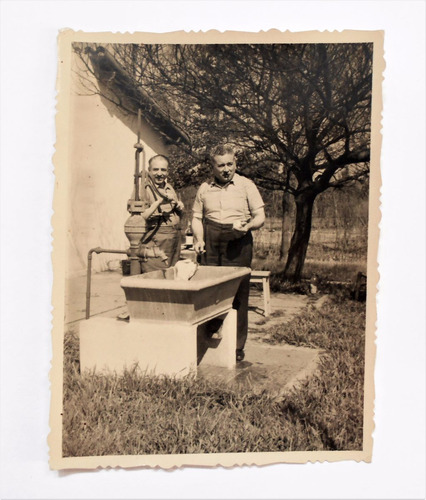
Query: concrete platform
{"points": [[272, 368], [111, 346], [108, 345]]}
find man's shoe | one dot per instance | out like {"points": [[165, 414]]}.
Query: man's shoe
{"points": [[214, 329], [240, 355], [125, 316], [217, 335]]}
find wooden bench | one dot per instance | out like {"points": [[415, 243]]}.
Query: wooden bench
{"points": [[263, 277]]}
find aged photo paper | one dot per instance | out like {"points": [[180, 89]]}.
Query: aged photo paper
{"points": [[163, 140]]}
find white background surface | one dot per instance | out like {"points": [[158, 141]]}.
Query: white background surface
{"points": [[28, 73]]}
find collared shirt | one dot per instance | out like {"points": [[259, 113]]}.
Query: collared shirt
{"points": [[236, 201], [167, 190]]}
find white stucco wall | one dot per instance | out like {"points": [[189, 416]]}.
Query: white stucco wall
{"points": [[101, 167]]}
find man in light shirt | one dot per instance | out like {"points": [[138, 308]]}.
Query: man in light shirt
{"points": [[225, 211]]}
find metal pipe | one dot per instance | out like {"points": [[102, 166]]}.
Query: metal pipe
{"points": [[89, 272], [137, 175], [139, 124], [139, 148], [143, 177], [148, 252]]}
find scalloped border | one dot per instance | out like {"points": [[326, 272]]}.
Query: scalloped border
{"points": [[60, 159]]}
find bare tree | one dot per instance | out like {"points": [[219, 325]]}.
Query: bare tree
{"points": [[299, 113]]}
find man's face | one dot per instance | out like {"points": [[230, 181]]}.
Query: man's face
{"points": [[159, 170], [224, 167]]}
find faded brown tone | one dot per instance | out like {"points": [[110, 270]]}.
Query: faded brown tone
{"points": [[61, 258]]}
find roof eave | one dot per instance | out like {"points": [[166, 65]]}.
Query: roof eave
{"points": [[103, 61]]}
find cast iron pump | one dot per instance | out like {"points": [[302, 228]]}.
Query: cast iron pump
{"points": [[139, 208]]}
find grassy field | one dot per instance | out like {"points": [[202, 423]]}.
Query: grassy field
{"points": [[136, 414], [333, 255]]}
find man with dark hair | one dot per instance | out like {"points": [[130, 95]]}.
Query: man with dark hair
{"points": [[226, 210], [164, 229]]}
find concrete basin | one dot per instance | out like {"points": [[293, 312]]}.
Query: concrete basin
{"points": [[158, 296]]}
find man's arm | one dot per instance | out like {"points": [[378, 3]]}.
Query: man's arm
{"points": [[176, 203], [256, 206], [197, 221], [151, 209], [257, 221], [198, 230]]}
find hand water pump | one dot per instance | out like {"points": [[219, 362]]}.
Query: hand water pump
{"points": [[136, 226]]}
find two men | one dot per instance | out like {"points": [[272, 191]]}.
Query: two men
{"points": [[164, 231], [226, 210]]}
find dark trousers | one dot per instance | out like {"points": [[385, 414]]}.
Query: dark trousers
{"points": [[224, 247]]}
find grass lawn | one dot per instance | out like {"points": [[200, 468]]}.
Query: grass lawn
{"points": [[329, 257], [136, 414]]}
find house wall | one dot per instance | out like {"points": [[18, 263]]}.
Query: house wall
{"points": [[101, 167]]}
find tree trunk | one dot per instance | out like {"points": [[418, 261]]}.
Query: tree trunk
{"points": [[300, 239], [285, 225]]}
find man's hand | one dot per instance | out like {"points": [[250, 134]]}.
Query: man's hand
{"points": [[199, 247], [179, 205], [240, 226]]}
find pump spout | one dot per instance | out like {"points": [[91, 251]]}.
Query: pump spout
{"points": [[153, 252]]}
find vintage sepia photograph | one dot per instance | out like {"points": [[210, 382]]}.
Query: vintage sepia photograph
{"points": [[215, 248]]}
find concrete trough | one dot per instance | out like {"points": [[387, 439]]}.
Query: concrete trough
{"points": [[158, 296], [166, 334]]}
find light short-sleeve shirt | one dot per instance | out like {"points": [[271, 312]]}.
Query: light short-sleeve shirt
{"points": [[236, 201], [167, 190]]}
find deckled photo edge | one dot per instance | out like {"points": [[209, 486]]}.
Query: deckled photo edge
{"points": [[65, 39]]}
